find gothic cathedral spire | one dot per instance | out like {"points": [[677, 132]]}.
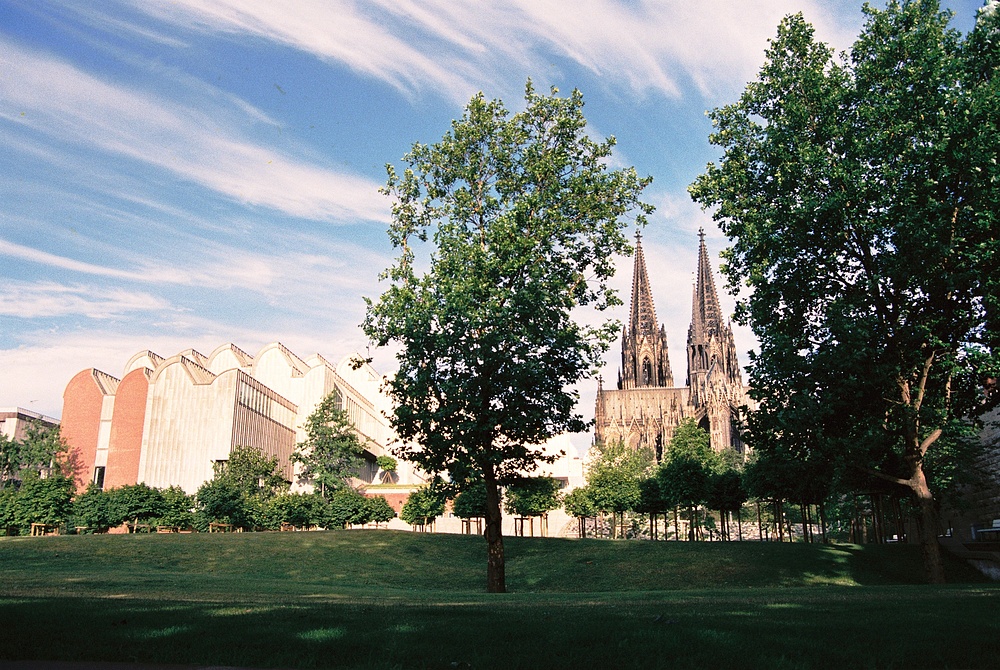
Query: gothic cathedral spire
{"points": [[712, 359], [644, 341]]}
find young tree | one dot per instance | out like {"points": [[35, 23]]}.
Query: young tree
{"points": [[524, 216], [239, 491], [471, 502], [613, 474], [423, 506], [137, 502], [177, 508], [387, 466], [532, 496], [297, 509], [578, 504], [379, 510], [862, 199], [347, 506], [96, 510], [46, 500], [331, 453]]}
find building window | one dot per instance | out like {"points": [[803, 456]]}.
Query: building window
{"points": [[99, 477]]}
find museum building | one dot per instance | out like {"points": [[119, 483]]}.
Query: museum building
{"points": [[168, 421]]}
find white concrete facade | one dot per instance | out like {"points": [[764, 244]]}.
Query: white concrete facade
{"points": [[199, 408]]}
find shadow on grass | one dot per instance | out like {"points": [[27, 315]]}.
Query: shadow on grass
{"points": [[877, 627]]}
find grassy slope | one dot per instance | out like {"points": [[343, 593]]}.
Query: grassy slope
{"points": [[386, 599]]}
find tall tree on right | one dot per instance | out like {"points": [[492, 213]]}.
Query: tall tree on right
{"points": [[862, 198]]}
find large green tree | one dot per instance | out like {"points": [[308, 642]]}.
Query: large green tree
{"points": [[862, 198], [41, 452], [522, 217], [332, 452]]}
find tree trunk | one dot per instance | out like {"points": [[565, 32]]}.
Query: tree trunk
{"points": [[929, 546], [496, 581]]}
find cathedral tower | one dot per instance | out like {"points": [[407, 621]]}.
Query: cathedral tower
{"points": [[646, 408], [644, 341]]}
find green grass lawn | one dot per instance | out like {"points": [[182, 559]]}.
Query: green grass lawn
{"points": [[383, 599]]}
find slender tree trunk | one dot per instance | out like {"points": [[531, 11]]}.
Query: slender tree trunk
{"points": [[496, 581], [739, 522], [822, 522], [677, 525], [760, 526]]}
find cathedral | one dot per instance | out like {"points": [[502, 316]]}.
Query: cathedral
{"points": [[647, 405]]}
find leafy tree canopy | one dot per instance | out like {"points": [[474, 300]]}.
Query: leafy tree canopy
{"points": [[470, 503], [251, 473], [613, 474], [332, 452], [41, 452], [423, 506], [579, 504], [532, 496], [862, 199], [522, 218], [692, 442]]}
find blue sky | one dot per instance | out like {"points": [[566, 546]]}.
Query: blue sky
{"points": [[186, 173]]}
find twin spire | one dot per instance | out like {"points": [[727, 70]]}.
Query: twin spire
{"points": [[645, 362]]}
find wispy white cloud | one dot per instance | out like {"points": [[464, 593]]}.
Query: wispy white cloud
{"points": [[61, 262], [211, 265], [47, 299], [458, 47], [61, 101]]}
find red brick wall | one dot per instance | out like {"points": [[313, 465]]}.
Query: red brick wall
{"points": [[126, 430], [80, 423]]}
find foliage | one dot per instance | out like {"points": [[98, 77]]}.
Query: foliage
{"points": [[239, 491], [332, 452], [653, 497], [138, 502], [385, 463], [10, 460], [219, 500], [251, 472], [579, 504], [532, 496], [684, 481], [726, 492], [298, 509], [177, 509], [613, 473], [41, 452], [692, 442], [96, 510], [470, 503], [379, 510], [862, 198], [347, 506], [46, 500], [423, 506], [7, 497], [524, 216]]}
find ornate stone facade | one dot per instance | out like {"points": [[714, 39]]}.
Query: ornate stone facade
{"points": [[647, 406]]}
